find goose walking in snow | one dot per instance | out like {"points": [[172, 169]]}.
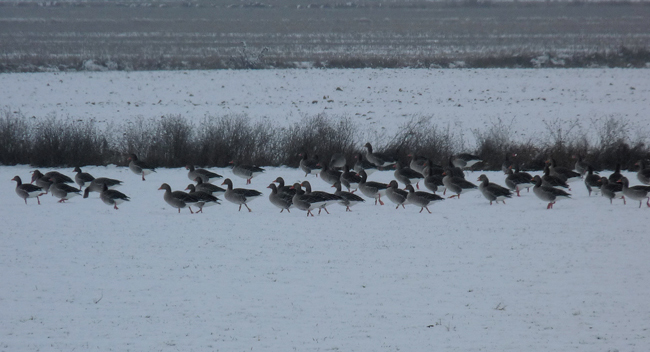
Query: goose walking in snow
{"points": [[111, 196], [372, 189], [178, 199], [381, 160], [240, 196], [205, 199], [492, 191], [547, 193], [27, 190], [347, 199], [139, 167], [396, 195], [639, 193], [205, 175], [246, 171], [456, 184], [611, 190], [421, 199], [280, 199]]}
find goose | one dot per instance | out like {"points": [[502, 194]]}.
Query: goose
{"points": [[507, 164], [417, 163], [639, 192], [328, 197], [329, 175], [82, 178], [553, 181], [208, 187], [41, 181], [205, 199], [372, 189], [348, 199], [337, 160], [456, 184], [53, 176], [28, 190], [396, 195], [492, 191], [592, 181], [523, 175], [581, 166], [178, 199], [455, 171], [381, 160], [421, 199], [240, 196], [465, 161], [284, 189], [518, 181], [97, 185], [611, 190], [281, 200], [306, 202], [363, 164], [309, 166], [140, 167], [63, 191], [432, 181], [563, 173], [111, 196], [246, 171], [407, 176], [547, 193], [205, 175], [644, 172], [349, 179], [616, 175]]}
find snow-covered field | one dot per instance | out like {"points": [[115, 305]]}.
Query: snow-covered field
{"points": [[378, 100], [469, 277]]}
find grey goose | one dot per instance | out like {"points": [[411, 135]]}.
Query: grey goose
{"points": [[396, 195], [240, 196], [282, 200], [381, 160], [112, 197], [205, 175], [491, 191], [347, 199], [455, 184], [465, 160], [309, 166], [178, 199], [139, 167], [82, 179], [547, 193], [639, 192], [205, 199], [246, 171], [421, 199], [372, 189], [28, 190], [643, 175], [611, 190]]}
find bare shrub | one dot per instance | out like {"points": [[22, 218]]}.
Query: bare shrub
{"points": [[14, 134]]}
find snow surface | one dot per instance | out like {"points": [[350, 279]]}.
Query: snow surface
{"points": [[378, 100], [469, 277]]}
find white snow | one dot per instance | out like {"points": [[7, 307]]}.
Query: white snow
{"points": [[469, 277]]}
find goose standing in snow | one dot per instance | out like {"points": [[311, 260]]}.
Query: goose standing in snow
{"points": [[306, 202], [611, 190], [309, 166], [582, 166], [407, 176], [82, 179], [329, 175], [421, 199], [246, 171], [139, 167], [348, 199], [349, 179], [111, 196], [372, 189], [492, 191], [282, 188], [280, 199], [643, 175], [417, 163], [432, 180], [27, 190], [178, 199], [553, 181], [592, 181], [562, 173], [205, 199], [63, 191], [208, 187], [456, 184], [547, 193], [205, 175], [396, 195], [616, 175], [363, 164], [381, 160], [41, 181], [328, 197], [518, 181], [465, 161], [240, 196], [639, 192], [337, 160]]}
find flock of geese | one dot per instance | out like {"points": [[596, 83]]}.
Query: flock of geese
{"points": [[450, 179]]}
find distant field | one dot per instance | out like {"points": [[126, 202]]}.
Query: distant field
{"points": [[209, 35]]}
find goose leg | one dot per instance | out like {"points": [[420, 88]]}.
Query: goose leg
{"points": [[249, 209]]}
